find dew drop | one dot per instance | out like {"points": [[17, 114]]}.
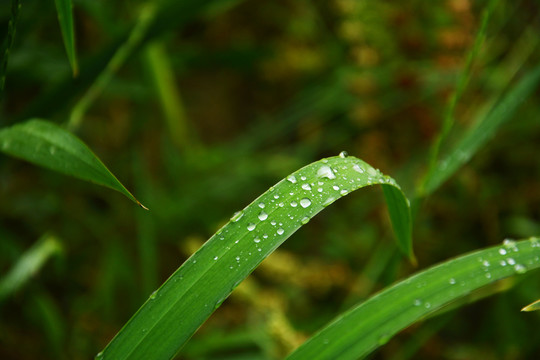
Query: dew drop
{"points": [[261, 205], [251, 226], [502, 251], [335, 187], [99, 356], [371, 171], [291, 179], [502, 263], [263, 216], [509, 243], [383, 339], [276, 196], [488, 275], [294, 204], [326, 171], [417, 302], [320, 190], [511, 261], [257, 240], [357, 168], [273, 222], [343, 192], [305, 202], [452, 281], [427, 305], [215, 258], [305, 220], [238, 258], [281, 204], [153, 295], [237, 216], [343, 154], [306, 187], [280, 231], [520, 269], [303, 178], [329, 201]]}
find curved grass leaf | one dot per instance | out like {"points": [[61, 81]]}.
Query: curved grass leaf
{"points": [[532, 307], [29, 264], [176, 310], [64, 8], [48, 145], [477, 136], [358, 332]]}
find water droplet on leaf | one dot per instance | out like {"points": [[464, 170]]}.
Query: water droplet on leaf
{"points": [[326, 171], [305, 202]]}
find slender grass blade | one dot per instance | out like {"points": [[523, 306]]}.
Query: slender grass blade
{"points": [[477, 136], [8, 42], [371, 324], [29, 264], [176, 310], [64, 8]]}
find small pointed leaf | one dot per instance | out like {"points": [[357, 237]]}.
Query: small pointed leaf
{"points": [[48, 145]]}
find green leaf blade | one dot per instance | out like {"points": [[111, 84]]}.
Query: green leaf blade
{"points": [[29, 264], [64, 9], [361, 330], [174, 312], [535, 306], [478, 135], [48, 145]]}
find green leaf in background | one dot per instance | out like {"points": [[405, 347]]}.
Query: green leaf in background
{"points": [[8, 42], [358, 332], [48, 145], [64, 9], [29, 264], [478, 135], [176, 310], [532, 307]]}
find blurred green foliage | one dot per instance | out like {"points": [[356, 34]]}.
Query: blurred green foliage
{"points": [[213, 102]]}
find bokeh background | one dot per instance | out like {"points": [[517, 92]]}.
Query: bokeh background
{"points": [[215, 102]]}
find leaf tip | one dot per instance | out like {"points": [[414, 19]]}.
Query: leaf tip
{"points": [[532, 307], [413, 260], [141, 205]]}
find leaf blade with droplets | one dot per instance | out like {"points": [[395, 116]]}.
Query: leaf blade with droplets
{"points": [[174, 312], [48, 145], [369, 325]]}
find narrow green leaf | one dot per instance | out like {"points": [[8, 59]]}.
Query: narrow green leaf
{"points": [[532, 307], [8, 42], [48, 145], [174, 312], [163, 78], [448, 120], [477, 136], [358, 332], [64, 8], [29, 264]]}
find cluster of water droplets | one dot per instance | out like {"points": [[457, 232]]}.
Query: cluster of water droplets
{"points": [[300, 196]]}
